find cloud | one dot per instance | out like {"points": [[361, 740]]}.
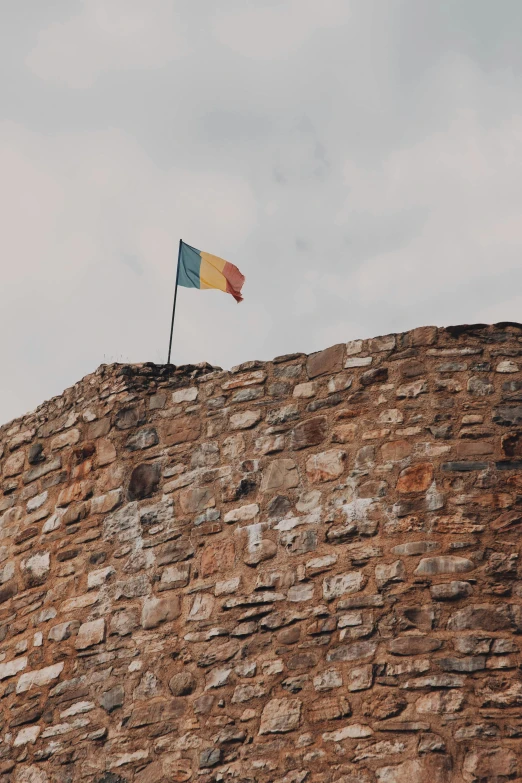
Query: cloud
{"points": [[74, 207], [360, 162], [277, 30], [108, 35]]}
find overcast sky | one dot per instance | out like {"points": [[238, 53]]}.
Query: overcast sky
{"points": [[359, 160]]}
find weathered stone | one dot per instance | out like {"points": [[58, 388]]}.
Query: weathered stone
{"points": [[324, 362], [159, 610], [144, 481], [353, 652], [218, 557], [281, 474], [415, 479], [309, 433], [39, 677], [90, 633], [182, 684], [183, 429], [373, 376], [413, 645], [196, 499], [495, 764], [385, 574], [280, 716], [444, 564], [111, 700], [484, 617], [415, 548], [35, 569], [185, 395], [450, 591], [342, 584], [143, 439], [396, 450], [326, 466], [430, 769]]}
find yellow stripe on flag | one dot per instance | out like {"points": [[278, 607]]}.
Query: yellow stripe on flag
{"points": [[215, 261], [210, 275]]}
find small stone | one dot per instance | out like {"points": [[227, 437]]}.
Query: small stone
{"points": [[386, 574], [325, 362], [202, 607], [111, 700], [495, 764], [360, 678], [36, 454], [159, 610], [309, 433], [450, 591], [396, 450], [144, 481], [196, 499], [11, 668], [174, 576], [417, 478], [412, 390], [507, 366], [209, 757], [440, 702], [280, 474], [27, 735], [244, 420], [182, 684], [305, 390], [143, 439], [280, 716], [342, 584], [259, 551], [479, 387], [374, 376], [444, 564], [326, 466], [39, 677], [182, 429], [35, 569], [90, 633], [218, 557], [413, 645], [185, 395], [63, 631], [328, 680], [358, 361], [415, 548]]}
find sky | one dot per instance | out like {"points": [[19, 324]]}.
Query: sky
{"points": [[359, 160]]}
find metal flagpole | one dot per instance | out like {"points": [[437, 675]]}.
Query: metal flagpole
{"points": [[174, 305]]}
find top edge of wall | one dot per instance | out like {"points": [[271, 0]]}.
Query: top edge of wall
{"points": [[120, 379]]}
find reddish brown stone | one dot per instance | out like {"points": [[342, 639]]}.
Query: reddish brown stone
{"points": [[309, 433], [396, 450], [415, 479], [218, 557], [473, 448], [327, 361], [182, 430]]}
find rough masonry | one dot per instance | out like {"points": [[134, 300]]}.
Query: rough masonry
{"points": [[298, 570]]}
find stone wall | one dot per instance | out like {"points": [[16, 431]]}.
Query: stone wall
{"points": [[301, 570]]}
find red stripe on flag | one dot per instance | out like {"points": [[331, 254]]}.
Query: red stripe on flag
{"points": [[234, 280]]}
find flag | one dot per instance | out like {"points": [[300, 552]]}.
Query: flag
{"points": [[203, 270]]}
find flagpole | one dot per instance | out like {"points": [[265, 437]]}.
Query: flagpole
{"points": [[174, 305]]}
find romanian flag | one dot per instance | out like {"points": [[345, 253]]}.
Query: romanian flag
{"points": [[203, 270]]}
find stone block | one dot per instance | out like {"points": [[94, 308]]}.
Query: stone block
{"points": [[325, 362]]}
